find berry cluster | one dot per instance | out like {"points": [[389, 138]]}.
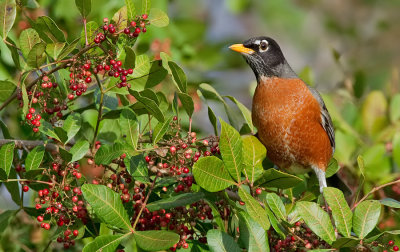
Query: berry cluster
{"points": [[42, 100], [302, 238], [132, 30], [391, 245]]}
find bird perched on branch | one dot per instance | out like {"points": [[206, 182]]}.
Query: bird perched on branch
{"points": [[291, 117]]}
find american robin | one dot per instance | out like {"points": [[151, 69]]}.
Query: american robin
{"points": [[290, 116]]}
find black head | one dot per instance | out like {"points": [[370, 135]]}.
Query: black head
{"points": [[265, 57]]}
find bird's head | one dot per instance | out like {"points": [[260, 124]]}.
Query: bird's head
{"points": [[265, 57]]}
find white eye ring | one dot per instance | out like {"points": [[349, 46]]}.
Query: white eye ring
{"points": [[264, 46]]}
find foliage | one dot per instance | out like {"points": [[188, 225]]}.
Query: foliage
{"points": [[113, 161]]}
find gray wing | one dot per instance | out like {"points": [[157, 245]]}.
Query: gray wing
{"points": [[326, 118]]}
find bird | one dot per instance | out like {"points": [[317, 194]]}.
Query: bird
{"points": [[291, 118]]}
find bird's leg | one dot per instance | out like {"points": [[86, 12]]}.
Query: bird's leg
{"points": [[321, 177]]}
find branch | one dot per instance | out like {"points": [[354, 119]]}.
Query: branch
{"points": [[373, 191]]}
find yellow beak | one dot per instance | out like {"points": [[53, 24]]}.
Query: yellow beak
{"points": [[241, 49]]}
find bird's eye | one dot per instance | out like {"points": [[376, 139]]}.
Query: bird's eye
{"points": [[263, 46]]}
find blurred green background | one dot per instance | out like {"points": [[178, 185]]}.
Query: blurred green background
{"points": [[348, 50]]}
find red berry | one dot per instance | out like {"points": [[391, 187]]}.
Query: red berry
{"points": [[38, 206], [133, 23], [25, 188], [46, 226], [127, 31], [70, 96], [40, 218], [88, 79], [145, 16], [144, 30], [258, 191], [396, 248], [75, 232], [119, 63], [75, 199], [130, 71], [31, 110], [86, 66], [29, 116], [137, 30], [112, 62], [391, 243], [172, 149], [175, 118], [78, 175], [111, 30], [147, 158]]}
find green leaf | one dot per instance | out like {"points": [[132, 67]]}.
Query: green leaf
{"points": [[107, 153], [252, 235], [149, 105], [120, 18], [213, 120], [278, 179], [6, 157], [155, 240], [187, 103], [211, 174], [8, 11], [175, 201], [219, 241], [160, 130], [158, 18], [340, 210], [54, 49], [155, 76], [79, 150], [84, 7], [396, 149], [254, 152], [28, 38], [107, 205], [130, 9], [47, 129], [5, 218], [25, 99], [14, 53], [4, 130], [137, 167], [34, 158], [317, 220], [105, 243], [179, 76], [276, 205], [275, 224], [394, 108], [129, 127], [390, 202], [13, 187], [48, 30], [375, 237], [142, 66], [346, 242], [36, 56], [333, 168], [130, 56], [7, 88], [69, 48], [72, 125], [146, 5], [365, 218], [373, 112], [231, 145], [91, 30], [245, 112], [254, 209]]}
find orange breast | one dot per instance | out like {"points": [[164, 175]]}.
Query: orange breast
{"points": [[288, 120]]}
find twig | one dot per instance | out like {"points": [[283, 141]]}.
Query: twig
{"points": [[373, 191], [100, 111], [145, 202], [84, 24]]}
